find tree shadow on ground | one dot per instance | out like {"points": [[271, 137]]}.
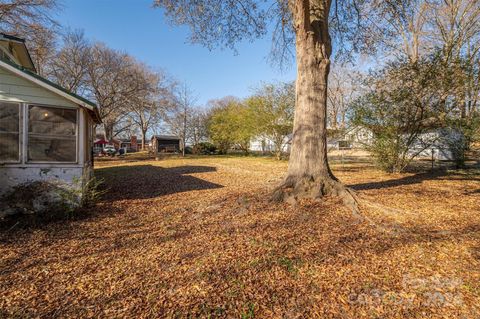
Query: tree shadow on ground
{"points": [[121, 183], [148, 181], [417, 178]]}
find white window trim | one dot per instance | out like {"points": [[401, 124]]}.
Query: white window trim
{"points": [[27, 133], [20, 112]]}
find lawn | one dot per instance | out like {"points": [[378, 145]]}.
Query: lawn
{"points": [[198, 237]]}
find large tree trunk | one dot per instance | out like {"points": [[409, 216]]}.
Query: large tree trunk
{"points": [[183, 145], [278, 143], [108, 131], [144, 136], [309, 175], [184, 130]]}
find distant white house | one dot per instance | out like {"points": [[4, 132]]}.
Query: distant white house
{"points": [[46, 132], [358, 136], [266, 145], [353, 137], [441, 143]]}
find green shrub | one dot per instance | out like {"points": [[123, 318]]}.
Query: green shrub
{"points": [[405, 102], [91, 192], [205, 148]]}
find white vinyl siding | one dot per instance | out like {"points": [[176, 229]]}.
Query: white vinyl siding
{"points": [[15, 89]]}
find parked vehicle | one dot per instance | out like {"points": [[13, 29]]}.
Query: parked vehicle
{"points": [[109, 150]]}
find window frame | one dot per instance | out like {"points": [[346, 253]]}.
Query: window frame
{"points": [[27, 132], [20, 133]]}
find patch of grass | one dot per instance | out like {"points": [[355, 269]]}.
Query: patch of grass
{"points": [[291, 265], [207, 311], [249, 312]]}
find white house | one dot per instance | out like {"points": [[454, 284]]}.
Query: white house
{"points": [[46, 132], [266, 145], [352, 137], [441, 143]]}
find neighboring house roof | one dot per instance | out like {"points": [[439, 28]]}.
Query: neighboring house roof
{"points": [[101, 141], [52, 87], [166, 137], [20, 51]]}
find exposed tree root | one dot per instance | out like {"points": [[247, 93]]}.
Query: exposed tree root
{"points": [[293, 189]]}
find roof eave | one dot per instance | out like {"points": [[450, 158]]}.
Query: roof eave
{"points": [[45, 84], [20, 42]]}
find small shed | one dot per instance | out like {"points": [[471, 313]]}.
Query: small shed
{"points": [[166, 144], [46, 132]]}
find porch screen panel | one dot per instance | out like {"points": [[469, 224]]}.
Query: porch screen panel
{"points": [[9, 132], [52, 134]]}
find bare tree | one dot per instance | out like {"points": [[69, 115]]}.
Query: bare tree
{"points": [[25, 13], [42, 44], [69, 67], [424, 27], [417, 28], [455, 28], [400, 26], [344, 87], [179, 112], [197, 128], [113, 81], [32, 20], [147, 106]]}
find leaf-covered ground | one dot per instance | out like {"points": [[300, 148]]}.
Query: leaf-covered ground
{"points": [[197, 237]]}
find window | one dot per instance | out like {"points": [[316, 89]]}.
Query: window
{"points": [[52, 134], [344, 144], [9, 132], [5, 56]]}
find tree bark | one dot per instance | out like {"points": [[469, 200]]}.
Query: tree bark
{"points": [[184, 137], [144, 136], [279, 142], [108, 131], [309, 175]]}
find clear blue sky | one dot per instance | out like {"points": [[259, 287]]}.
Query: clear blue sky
{"points": [[135, 27]]}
